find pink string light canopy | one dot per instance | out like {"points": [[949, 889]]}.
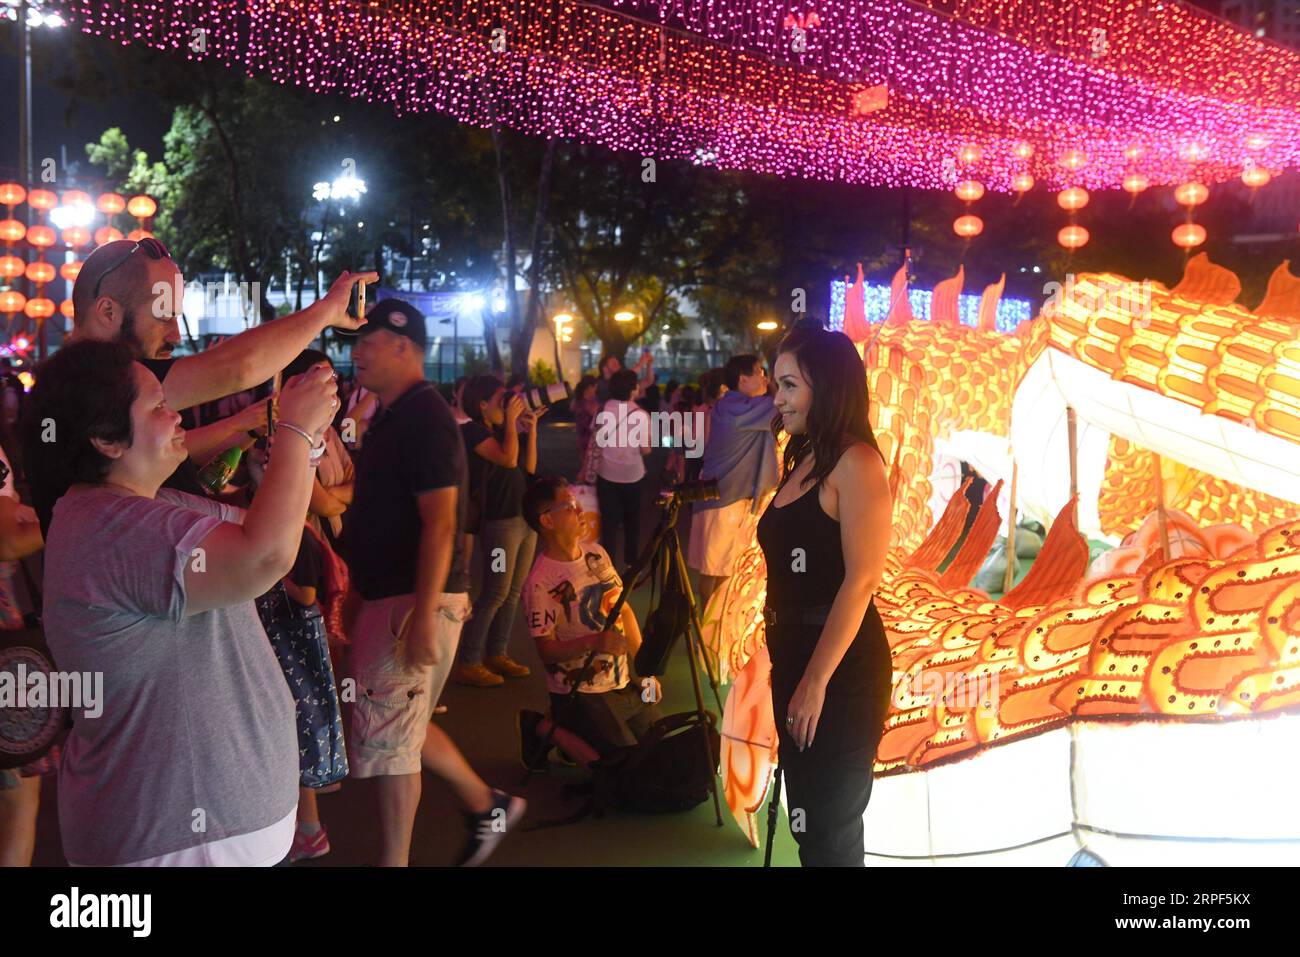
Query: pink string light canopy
{"points": [[883, 92]]}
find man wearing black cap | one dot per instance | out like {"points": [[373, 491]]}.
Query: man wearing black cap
{"points": [[404, 552]]}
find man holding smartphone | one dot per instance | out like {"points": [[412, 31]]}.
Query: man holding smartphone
{"points": [[133, 292], [404, 545]]}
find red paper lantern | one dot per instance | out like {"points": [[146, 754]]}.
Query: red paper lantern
{"points": [[141, 207], [1076, 197], [11, 194], [969, 190], [41, 236], [42, 199], [1188, 235], [1256, 176], [11, 230], [11, 267], [70, 271], [65, 307], [39, 308], [1073, 159], [41, 272], [1135, 183], [11, 301], [110, 203], [1022, 182], [75, 197], [1191, 194], [968, 226], [76, 236], [1072, 237], [107, 234]]}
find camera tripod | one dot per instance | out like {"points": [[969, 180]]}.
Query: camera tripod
{"points": [[663, 556]]}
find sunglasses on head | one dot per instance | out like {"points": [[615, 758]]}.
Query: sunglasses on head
{"points": [[153, 249]]}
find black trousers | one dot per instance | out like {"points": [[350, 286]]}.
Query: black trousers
{"points": [[828, 785], [827, 799], [620, 508]]}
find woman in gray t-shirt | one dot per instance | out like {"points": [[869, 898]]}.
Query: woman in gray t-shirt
{"points": [[184, 751]]}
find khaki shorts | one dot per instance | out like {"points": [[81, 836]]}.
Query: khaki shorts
{"points": [[719, 536], [395, 702]]}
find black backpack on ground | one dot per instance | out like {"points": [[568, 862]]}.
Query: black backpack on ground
{"points": [[665, 772]]}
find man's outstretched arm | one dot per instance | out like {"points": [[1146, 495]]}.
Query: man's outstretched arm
{"points": [[253, 357]]}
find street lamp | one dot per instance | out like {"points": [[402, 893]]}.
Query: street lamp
{"points": [[342, 188], [564, 323], [768, 325]]}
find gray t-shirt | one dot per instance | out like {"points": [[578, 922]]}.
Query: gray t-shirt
{"points": [[197, 740]]}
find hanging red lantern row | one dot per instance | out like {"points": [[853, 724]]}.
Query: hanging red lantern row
{"points": [[40, 237], [1072, 199], [1022, 181], [75, 236], [110, 204], [11, 231], [968, 225], [1189, 234]]}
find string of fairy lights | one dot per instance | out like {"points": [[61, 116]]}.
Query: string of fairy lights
{"points": [[1068, 95]]}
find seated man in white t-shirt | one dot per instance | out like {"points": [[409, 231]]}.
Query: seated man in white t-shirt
{"points": [[569, 592]]}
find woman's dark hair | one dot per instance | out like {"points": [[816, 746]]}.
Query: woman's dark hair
{"points": [[622, 384], [832, 367], [478, 390], [587, 381], [304, 361], [83, 392]]}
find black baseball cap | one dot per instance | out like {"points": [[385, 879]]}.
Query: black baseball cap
{"points": [[398, 317]]}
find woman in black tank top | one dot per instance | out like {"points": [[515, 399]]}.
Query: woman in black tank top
{"points": [[824, 537]]}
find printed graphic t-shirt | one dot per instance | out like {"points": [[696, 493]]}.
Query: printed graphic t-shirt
{"points": [[572, 599]]}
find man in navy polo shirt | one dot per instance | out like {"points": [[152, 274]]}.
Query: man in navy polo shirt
{"points": [[403, 541]]}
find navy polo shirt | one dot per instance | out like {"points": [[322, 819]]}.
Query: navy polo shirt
{"points": [[411, 447]]}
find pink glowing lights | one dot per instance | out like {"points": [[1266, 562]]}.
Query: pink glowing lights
{"points": [[1008, 88]]}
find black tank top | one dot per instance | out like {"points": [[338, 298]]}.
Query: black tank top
{"points": [[801, 545]]}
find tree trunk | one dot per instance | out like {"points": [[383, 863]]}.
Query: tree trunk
{"points": [[243, 267], [521, 338], [512, 300]]}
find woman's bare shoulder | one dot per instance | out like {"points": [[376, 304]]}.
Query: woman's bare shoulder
{"points": [[860, 464]]}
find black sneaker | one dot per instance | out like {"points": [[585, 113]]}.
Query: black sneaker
{"points": [[486, 830], [533, 754]]}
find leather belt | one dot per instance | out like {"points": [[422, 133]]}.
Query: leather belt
{"points": [[795, 615]]}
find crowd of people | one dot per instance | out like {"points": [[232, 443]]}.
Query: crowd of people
{"points": [[232, 555]]}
